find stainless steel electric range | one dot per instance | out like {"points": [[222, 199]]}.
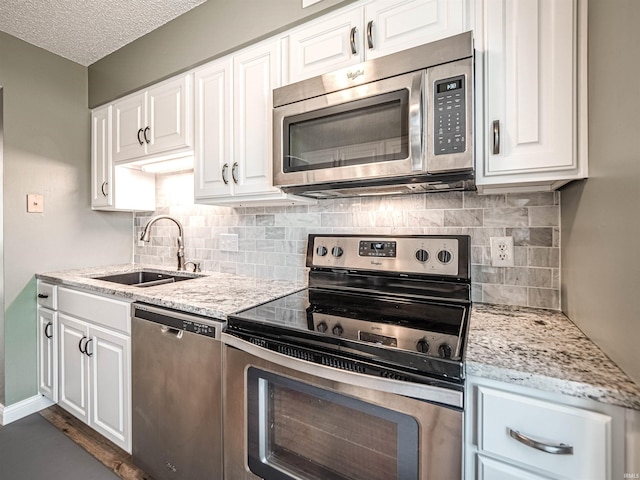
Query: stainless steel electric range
{"points": [[375, 344]]}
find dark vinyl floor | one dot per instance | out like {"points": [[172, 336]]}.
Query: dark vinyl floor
{"points": [[33, 449]]}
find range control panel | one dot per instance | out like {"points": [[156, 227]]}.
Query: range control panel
{"points": [[425, 254]]}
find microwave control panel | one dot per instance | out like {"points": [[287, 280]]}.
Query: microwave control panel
{"points": [[449, 115]]}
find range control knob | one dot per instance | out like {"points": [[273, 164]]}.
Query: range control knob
{"points": [[321, 250], [337, 330], [321, 327], [444, 351], [422, 255], [444, 256], [422, 346], [337, 251]]}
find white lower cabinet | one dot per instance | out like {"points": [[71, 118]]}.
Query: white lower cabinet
{"points": [[94, 366], [47, 353], [515, 432]]}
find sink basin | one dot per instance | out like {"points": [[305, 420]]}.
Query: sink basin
{"points": [[145, 278]]}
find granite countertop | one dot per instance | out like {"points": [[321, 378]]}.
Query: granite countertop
{"points": [[544, 350], [212, 294], [541, 349]]}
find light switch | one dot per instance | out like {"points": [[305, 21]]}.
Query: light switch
{"points": [[35, 203]]}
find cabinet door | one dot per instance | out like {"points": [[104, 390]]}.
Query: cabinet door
{"points": [[394, 26], [531, 95], [101, 165], [489, 469], [256, 73], [170, 116], [128, 128], [73, 367], [327, 45], [110, 363], [213, 149], [48, 353]]}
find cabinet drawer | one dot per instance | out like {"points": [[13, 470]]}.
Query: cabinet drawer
{"points": [[501, 414], [108, 312], [47, 295], [490, 469]]}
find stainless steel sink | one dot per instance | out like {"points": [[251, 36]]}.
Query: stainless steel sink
{"points": [[145, 278]]}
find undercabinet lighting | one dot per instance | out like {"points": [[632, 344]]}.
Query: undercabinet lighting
{"points": [[166, 166]]}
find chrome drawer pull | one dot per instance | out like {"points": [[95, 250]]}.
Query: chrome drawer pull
{"points": [[560, 449], [352, 41]]}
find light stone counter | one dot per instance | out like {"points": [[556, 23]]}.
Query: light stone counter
{"points": [[543, 349], [540, 349], [212, 294]]}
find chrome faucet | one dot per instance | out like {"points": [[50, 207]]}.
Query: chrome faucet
{"points": [[146, 234]]}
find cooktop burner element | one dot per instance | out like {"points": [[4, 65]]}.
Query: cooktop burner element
{"points": [[401, 302]]}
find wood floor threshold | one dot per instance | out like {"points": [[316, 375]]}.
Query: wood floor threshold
{"points": [[106, 452]]}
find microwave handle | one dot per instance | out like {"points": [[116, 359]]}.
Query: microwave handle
{"points": [[416, 121]]}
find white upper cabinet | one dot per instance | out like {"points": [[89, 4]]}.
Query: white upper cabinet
{"points": [[534, 94], [101, 165], [371, 30], [233, 148], [394, 26], [115, 188], [155, 121]]}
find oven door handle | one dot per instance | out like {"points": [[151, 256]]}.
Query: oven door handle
{"points": [[420, 391], [416, 127]]}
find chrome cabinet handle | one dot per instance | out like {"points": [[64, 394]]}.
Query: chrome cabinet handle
{"points": [[146, 139], [225, 167], [496, 137], [352, 40], [559, 449], [46, 329], [139, 140], [86, 348], [43, 295], [234, 172], [370, 34], [104, 184], [82, 350]]}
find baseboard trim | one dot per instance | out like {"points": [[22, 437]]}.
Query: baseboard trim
{"points": [[23, 408]]}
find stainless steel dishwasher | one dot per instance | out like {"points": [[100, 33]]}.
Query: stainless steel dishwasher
{"points": [[176, 394]]}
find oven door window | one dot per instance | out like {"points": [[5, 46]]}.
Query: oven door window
{"points": [[369, 130], [300, 431]]}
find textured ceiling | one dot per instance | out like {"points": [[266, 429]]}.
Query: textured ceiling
{"points": [[84, 31]]}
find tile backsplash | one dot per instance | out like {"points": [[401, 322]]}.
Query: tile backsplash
{"points": [[271, 241]]}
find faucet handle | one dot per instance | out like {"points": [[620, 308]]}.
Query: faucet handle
{"points": [[196, 266]]}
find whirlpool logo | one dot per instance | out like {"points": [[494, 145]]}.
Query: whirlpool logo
{"points": [[354, 75], [377, 263]]}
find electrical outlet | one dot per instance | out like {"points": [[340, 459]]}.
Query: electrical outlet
{"points": [[229, 242], [502, 251]]}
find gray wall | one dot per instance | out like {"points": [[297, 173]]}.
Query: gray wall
{"points": [[600, 216], [46, 151], [206, 32]]}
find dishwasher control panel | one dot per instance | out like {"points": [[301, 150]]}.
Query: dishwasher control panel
{"points": [[178, 321]]}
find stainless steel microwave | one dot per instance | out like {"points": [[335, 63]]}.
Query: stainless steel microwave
{"points": [[402, 123]]}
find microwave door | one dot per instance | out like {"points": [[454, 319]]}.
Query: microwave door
{"points": [[365, 132]]}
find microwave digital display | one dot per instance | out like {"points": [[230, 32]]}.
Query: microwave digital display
{"points": [[449, 86]]}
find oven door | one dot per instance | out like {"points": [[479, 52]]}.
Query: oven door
{"points": [[369, 131], [286, 418]]}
